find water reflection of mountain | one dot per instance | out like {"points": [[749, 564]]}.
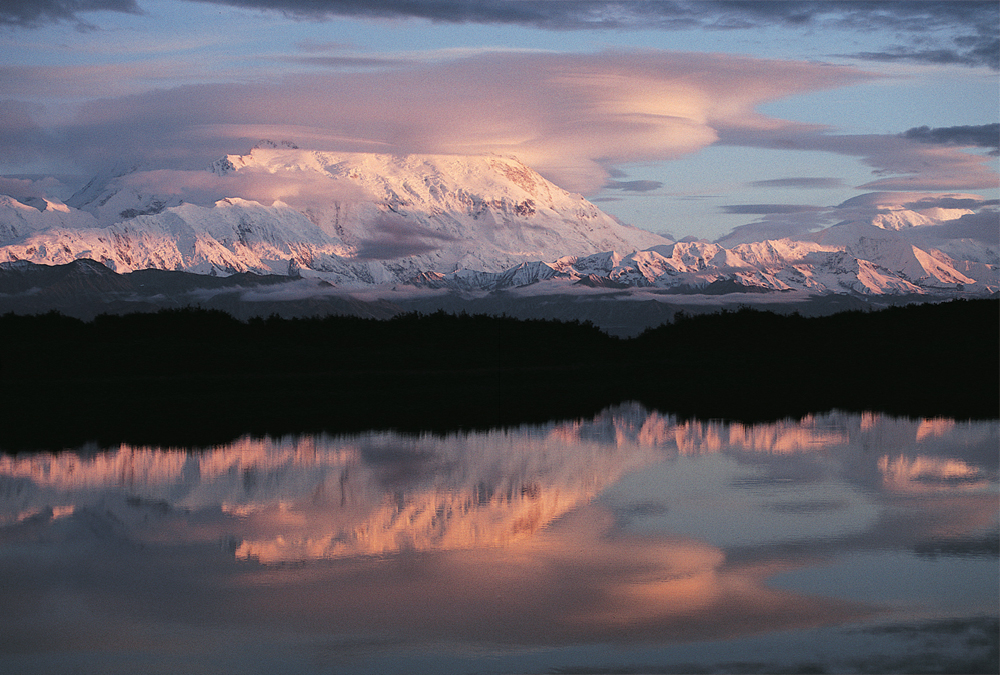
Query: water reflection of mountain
{"points": [[309, 497]]}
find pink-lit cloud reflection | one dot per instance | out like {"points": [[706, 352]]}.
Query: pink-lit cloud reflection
{"points": [[521, 538]]}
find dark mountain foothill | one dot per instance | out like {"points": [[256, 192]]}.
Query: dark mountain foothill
{"points": [[194, 377]]}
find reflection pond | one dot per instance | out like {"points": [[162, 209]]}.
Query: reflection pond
{"points": [[630, 542]]}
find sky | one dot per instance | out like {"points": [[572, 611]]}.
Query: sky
{"points": [[686, 118]]}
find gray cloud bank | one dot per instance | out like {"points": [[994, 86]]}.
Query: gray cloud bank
{"points": [[970, 26], [980, 136], [34, 13]]}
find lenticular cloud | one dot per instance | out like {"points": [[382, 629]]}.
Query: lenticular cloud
{"points": [[569, 116]]}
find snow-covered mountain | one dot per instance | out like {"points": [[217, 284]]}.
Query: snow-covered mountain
{"points": [[351, 218], [480, 223]]}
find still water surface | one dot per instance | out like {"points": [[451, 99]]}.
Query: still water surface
{"points": [[630, 542]]}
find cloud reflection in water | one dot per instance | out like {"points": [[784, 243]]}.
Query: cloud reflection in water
{"points": [[608, 530]]}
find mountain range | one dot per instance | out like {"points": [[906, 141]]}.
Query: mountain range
{"points": [[462, 227]]}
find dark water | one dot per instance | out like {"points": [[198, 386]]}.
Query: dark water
{"points": [[630, 542]]}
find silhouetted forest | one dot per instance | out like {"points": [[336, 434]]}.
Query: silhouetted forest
{"points": [[197, 377]]}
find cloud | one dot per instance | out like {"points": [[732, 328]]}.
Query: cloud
{"points": [[764, 209], [89, 81], [22, 139], [983, 226], [338, 61], [907, 16], [766, 230], [398, 238], [890, 200], [962, 33], [967, 30], [807, 183], [259, 185], [898, 162], [633, 185], [950, 202], [780, 225], [980, 136], [27, 188], [570, 116], [34, 13], [978, 49]]}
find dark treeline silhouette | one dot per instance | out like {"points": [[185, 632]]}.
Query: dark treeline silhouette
{"points": [[198, 377]]}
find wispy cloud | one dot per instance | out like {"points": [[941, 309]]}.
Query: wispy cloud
{"points": [[942, 32], [34, 13], [979, 136], [764, 209], [955, 32], [633, 185], [898, 161], [899, 15], [804, 182]]}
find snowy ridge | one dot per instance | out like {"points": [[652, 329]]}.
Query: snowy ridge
{"points": [[868, 267], [480, 223]]}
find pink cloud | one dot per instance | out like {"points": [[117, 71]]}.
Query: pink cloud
{"points": [[570, 116]]}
